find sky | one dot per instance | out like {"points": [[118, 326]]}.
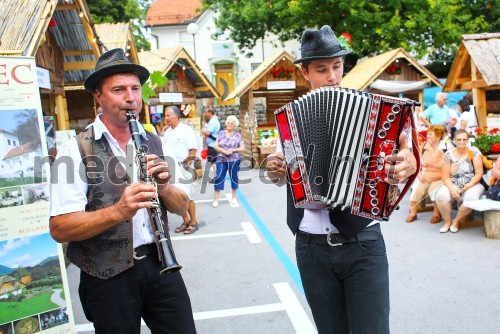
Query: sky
{"points": [[27, 251], [8, 121]]}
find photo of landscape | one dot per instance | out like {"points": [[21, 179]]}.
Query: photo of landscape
{"points": [[31, 282]]}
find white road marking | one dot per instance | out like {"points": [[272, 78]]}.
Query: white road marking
{"points": [[248, 230], [239, 311], [296, 313], [210, 235], [209, 200], [251, 233]]}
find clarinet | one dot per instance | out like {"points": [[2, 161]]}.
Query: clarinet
{"points": [[167, 256]]}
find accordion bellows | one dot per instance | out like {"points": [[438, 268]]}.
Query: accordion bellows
{"points": [[334, 141]]}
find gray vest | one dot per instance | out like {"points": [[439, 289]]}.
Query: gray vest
{"points": [[109, 253]]}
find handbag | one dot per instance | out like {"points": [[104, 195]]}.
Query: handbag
{"points": [[494, 192]]}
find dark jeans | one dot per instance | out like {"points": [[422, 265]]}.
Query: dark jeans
{"points": [[116, 305], [347, 287], [222, 168]]}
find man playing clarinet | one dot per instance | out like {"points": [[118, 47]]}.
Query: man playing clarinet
{"points": [[347, 282], [98, 206]]}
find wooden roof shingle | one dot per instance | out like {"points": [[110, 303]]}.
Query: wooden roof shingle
{"points": [[481, 51]]}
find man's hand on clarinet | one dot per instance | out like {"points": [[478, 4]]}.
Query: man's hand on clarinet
{"points": [[276, 168], [399, 167], [135, 197], [158, 169]]}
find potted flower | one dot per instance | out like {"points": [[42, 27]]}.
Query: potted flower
{"points": [[487, 141]]}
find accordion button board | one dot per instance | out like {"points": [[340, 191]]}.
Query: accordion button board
{"points": [[335, 141]]}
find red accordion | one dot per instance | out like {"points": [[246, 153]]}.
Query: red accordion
{"points": [[334, 141]]}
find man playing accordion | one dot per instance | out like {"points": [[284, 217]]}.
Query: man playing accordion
{"points": [[346, 281]]}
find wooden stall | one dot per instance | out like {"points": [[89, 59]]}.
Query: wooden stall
{"points": [[63, 39], [393, 73], [185, 88], [82, 106], [274, 83], [476, 68]]}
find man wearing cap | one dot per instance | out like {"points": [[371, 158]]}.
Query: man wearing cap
{"points": [[346, 285], [100, 208]]}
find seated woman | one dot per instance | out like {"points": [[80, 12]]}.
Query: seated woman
{"points": [[462, 173], [429, 178]]}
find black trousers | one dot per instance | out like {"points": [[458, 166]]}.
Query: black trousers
{"points": [[116, 305]]}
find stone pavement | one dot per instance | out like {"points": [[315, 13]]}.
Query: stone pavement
{"points": [[241, 274]]}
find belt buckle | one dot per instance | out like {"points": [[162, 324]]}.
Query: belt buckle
{"points": [[328, 239], [134, 255]]}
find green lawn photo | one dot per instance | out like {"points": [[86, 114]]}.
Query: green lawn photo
{"points": [[10, 311]]}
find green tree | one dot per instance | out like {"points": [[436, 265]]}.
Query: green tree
{"points": [[133, 11], [19, 273], [39, 273], [422, 26], [27, 126]]}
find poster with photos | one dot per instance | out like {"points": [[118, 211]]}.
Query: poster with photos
{"points": [[34, 293]]}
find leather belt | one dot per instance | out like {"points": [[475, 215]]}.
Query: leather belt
{"points": [[336, 239], [143, 251]]}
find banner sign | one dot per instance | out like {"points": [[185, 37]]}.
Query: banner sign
{"points": [[34, 292]]}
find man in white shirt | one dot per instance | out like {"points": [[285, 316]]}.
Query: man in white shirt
{"points": [[99, 208], [182, 139]]}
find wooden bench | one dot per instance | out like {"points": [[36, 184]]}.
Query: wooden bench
{"points": [[491, 211]]}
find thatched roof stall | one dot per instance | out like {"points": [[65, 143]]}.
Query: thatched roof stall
{"points": [[61, 35], [118, 35], [175, 59], [476, 68], [270, 86], [185, 78], [391, 73], [81, 105]]}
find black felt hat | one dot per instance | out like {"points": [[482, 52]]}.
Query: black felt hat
{"points": [[320, 44], [113, 62]]}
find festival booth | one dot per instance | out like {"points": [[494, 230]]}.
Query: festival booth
{"points": [[393, 73], [270, 86], [476, 68], [185, 88], [62, 37], [82, 106]]}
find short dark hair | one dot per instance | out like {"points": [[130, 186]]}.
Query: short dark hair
{"points": [[176, 110], [307, 63], [464, 105], [210, 110]]}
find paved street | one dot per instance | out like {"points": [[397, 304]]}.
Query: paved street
{"points": [[242, 278]]}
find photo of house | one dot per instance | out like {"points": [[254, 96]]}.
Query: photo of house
{"points": [[19, 145]]}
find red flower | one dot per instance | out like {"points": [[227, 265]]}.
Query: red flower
{"points": [[495, 148], [478, 130], [494, 130]]}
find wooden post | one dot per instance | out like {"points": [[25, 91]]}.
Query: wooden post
{"points": [[479, 96], [492, 224], [62, 113]]}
